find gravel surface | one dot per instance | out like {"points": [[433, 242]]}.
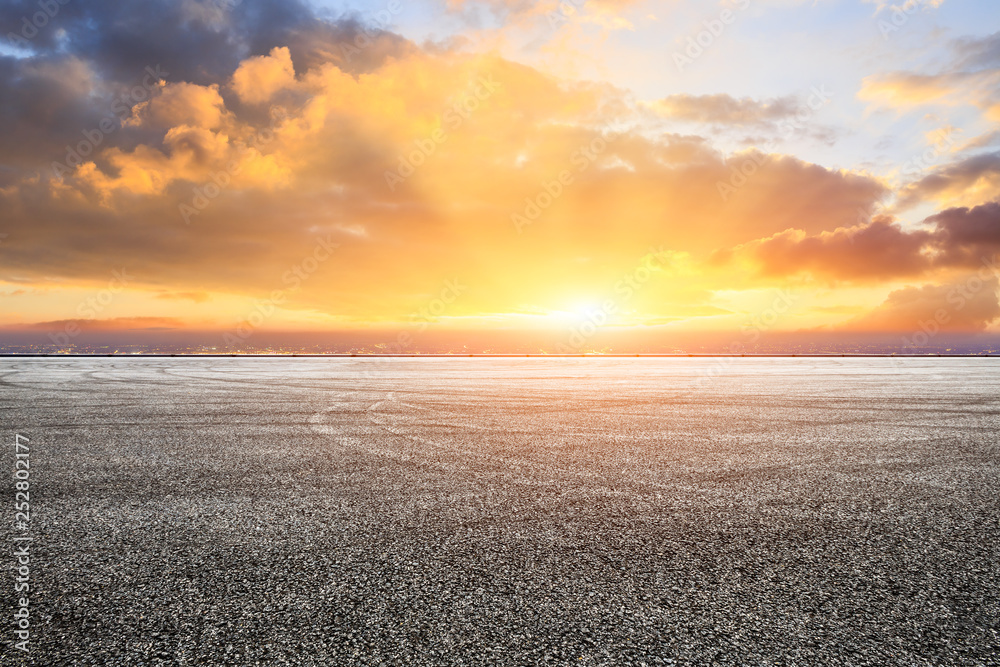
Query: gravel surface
{"points": [[508, 511]]}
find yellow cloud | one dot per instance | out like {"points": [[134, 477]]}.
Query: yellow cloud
{"points": [[181, 104], [903, 91], [258, 79]]}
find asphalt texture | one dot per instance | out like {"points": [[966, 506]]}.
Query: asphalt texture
{"points": [[507, 511]]}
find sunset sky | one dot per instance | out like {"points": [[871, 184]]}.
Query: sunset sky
{"points": [[826, 165]]}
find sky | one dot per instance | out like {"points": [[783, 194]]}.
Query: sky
{"points": [[245, 166]]}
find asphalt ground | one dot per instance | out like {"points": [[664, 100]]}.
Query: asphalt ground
{"points": [[506, 511]]}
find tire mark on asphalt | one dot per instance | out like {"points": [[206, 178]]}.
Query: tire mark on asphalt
{"points": [[505, 465]]}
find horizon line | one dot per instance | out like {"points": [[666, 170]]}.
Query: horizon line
{"points": [[816, 355]]}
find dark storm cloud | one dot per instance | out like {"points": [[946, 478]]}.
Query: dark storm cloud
{"points": [[46, 102], [196, 42], [88, 61], [351, 44]]}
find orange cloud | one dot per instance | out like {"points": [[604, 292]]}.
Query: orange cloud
{"points": [[956, 238], [181, 104], [878, 251], [964, 306], [197, 297], [966, 182], [906, 89], [113, 324]]}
